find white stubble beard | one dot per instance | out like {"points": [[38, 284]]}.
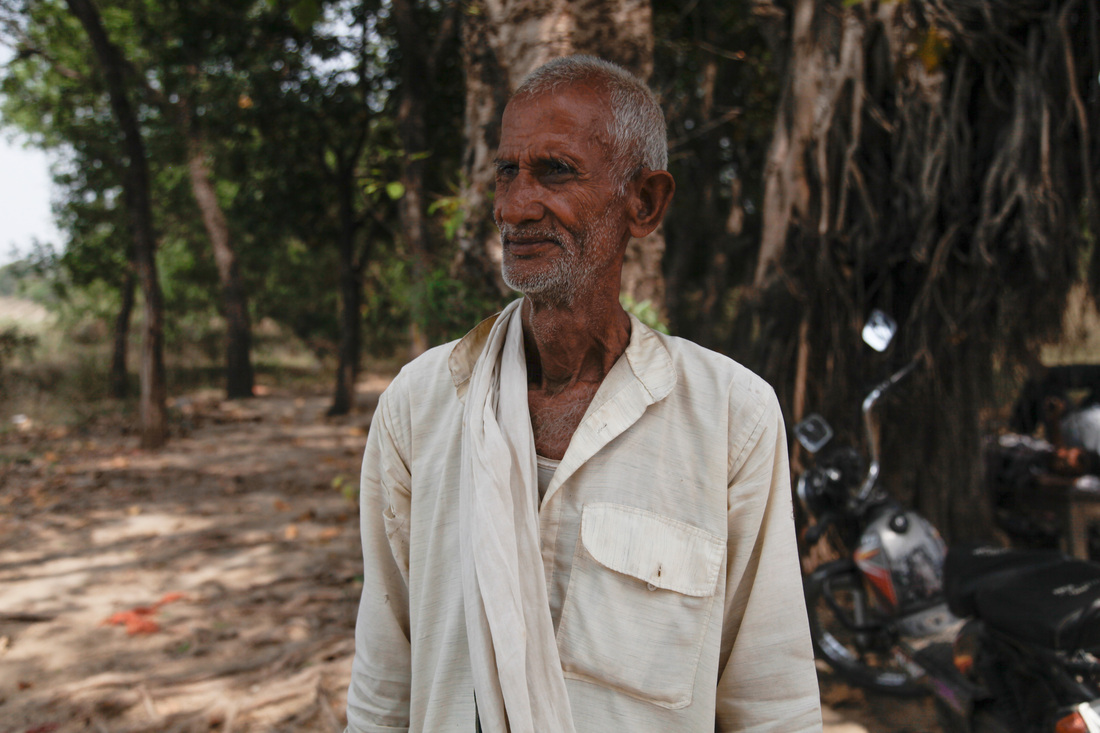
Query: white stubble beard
{"points": [[562, 280]]}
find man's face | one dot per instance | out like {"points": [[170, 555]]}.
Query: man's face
{"points": [[562, 223]]}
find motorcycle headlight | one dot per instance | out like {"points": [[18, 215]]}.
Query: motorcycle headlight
{"points": [[812, 491]]}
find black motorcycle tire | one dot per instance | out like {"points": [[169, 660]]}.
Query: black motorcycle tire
{"points": [[865, 665]]}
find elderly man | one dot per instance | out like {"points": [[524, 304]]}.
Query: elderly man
{"points": [[571, 522]]}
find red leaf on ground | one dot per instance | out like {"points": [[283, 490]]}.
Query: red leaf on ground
{"points": [[137, 620], [120, 618], [47, 728]]}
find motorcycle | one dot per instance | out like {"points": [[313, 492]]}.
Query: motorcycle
{"points": [[1006, 641], [876, 611], [1027, 654]]}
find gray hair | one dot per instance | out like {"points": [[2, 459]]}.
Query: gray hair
{"points": [[637, 126]]}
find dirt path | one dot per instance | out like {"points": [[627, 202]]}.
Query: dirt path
{"points": [[211, 586]]}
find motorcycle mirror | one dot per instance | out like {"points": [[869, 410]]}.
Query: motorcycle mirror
{"points": [[813, 432], [879, 330]]}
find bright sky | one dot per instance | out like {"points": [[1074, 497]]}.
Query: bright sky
{"points": [[24, 199], [25, 188]]}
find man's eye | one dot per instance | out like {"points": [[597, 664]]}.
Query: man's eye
{"points": [[506, 170], [558, 168]]}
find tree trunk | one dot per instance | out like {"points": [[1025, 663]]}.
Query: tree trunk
{"points": [[931, 160], [238, 337], [119, 382], [154, 416], [786, 189], [351, 297], [416, 75], [502, 43]]}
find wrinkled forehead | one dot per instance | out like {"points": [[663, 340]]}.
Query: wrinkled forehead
{"points": [[579, 109]]}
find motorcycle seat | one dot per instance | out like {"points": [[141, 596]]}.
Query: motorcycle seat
{"points": [[1039, 597], [967, 569]]}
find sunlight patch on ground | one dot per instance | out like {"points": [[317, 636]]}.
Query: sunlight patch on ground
{"points": [[147, 525]]}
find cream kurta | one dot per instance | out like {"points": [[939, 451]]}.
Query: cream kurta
{"points": [[667, 541]]}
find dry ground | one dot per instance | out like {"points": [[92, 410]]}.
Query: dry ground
{"points": [[234, 555]]}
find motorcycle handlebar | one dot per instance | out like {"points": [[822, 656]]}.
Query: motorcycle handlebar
{"points": [[870, 423]]}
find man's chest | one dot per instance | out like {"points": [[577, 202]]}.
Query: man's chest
{"points": [[555, 417]]}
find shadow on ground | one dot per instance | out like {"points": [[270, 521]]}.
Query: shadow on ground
{"points": [[233, 553]]}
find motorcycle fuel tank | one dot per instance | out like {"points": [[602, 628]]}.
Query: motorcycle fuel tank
{"points": [[901, 555]]}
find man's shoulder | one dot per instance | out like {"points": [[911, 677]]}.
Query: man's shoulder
{"points": [[697, 366], [426, 371], [423, 383]]}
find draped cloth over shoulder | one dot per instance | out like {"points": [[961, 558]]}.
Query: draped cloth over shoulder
{"points": [[517, 673]]}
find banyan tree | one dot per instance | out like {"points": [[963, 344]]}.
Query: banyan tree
{"points": [[938, 160]]}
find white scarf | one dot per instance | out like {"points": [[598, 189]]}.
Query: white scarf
{"points": [[517, 673]]}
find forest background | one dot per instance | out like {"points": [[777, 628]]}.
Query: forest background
{"points": [[236, 174]]}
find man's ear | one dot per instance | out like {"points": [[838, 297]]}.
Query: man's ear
{"points": [[651, 193]]}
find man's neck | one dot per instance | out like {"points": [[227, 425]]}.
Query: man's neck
{"points": [[570, 345]]}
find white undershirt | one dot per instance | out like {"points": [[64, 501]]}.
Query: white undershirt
{"points": [[546, 468]]}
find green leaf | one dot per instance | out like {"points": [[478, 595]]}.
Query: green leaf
{"points": [[395, 190]]}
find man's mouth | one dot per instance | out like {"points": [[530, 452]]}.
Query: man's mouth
{"points": [[524, 244], [527, 247]]}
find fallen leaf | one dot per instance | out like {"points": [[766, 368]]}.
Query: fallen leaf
{"points": [[281, 506], [330, 533], [291, 532], [118, 462], [24, 685], [136, 621], [134, 510]]}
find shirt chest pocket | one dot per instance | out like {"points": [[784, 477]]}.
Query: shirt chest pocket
{"points": [[640, 598]]}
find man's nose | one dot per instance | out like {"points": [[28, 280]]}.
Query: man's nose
{"points": [[518, 201]]}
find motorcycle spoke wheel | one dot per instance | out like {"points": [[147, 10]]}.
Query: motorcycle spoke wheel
{"points": [[863, 659]]}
